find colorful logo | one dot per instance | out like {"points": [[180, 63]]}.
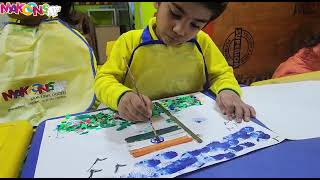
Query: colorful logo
{"points": [[34, 89], [29, 9]]}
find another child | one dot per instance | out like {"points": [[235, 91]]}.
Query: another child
{"points": [[307, 59], [170, 57]]}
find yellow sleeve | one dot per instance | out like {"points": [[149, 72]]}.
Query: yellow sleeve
{"points": [[108, 83], [220, 73]]}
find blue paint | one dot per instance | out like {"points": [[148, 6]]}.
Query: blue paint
{"points": [[150, 163], [248, 144], [195, 152], [218, 157], [262, 135], [228, 155], [237, 148], [170, 162], [199, 120], [247, 129], [205, 149], [178, 165], [233, 142], [169, 155], [157, 140], [218, 145]]}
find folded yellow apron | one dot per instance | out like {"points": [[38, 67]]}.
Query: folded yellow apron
{"points": [[46, 71], [15, 138]]}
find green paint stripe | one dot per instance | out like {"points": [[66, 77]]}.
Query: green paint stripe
{"points": [[149, 135]]}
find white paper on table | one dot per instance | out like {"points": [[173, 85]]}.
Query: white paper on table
{"points": [[289, 109], [73, 155]]}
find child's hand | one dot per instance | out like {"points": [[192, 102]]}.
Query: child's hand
{"points": [[132, 108], [231, 105]]}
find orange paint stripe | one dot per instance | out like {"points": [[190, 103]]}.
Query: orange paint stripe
{"points": [[162, 145]]}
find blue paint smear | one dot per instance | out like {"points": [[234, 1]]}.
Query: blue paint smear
{"points": [[237, 148], [199, 120], [214, 151], [150, 163], [248, 144], [177, 165], [168, 155], [228, 155], [171, 107], [157, 140]]}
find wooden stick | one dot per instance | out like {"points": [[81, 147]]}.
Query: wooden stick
{"points": [[156, 147], [179, 123]]}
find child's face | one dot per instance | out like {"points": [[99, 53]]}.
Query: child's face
{"points": [[178, 22]]}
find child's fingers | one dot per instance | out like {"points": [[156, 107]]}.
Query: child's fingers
{"points": [[252, 111], [247, 113], [230, 111], [137, 110], [149, 106], [124, 114], [129, 113], [221, 106], [239, 113]]}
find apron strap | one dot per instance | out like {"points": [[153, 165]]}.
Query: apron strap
{"points": [[147, 39]]}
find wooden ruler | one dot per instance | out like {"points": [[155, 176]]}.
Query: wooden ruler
{"points": [[194, 136]]}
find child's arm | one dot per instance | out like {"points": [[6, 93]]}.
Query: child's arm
{"points": [[223, 82], [108, 83], [220, 73]]}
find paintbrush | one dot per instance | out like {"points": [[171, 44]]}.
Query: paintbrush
{"points": [[135, 87]]}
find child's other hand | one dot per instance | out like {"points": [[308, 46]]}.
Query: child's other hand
{"points": [[132, 108], [231, 105]]}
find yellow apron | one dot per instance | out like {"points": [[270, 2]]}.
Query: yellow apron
{"points": [[46, 71], [164, 71]]}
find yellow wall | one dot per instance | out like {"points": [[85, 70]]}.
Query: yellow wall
{"points": [[143, 11]]}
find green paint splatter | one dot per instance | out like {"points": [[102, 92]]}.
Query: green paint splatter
{"points": [[176, 104], [169, 121], [86, 132], [124, 124], [68, 116], [85, 123]]}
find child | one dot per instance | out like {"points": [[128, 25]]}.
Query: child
{"points": [[307, 59], [170, 57], [79, 21]]}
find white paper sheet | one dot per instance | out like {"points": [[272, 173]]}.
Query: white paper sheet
{"points": [[290, 109], [73, 155]]}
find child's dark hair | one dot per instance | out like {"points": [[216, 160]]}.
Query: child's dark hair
{"points": [[312, 41], [216, 8], [67, 10]]}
